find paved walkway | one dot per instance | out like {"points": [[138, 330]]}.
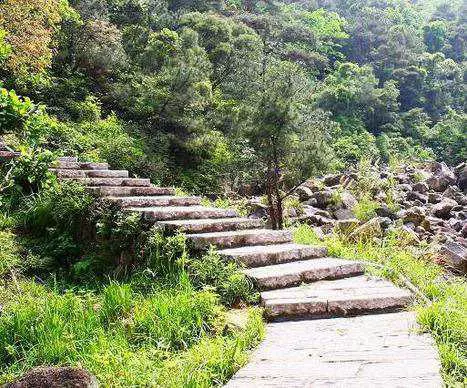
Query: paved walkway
{"points": [[381, 350]]}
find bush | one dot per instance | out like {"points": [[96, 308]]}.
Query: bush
{"points": [[9, 253], [225, 278], [365, 209]]}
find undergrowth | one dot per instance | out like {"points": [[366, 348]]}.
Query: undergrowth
{"points": [[443, 314]]}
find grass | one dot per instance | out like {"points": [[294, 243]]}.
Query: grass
{"points": [[168, 337], [444, 315]]}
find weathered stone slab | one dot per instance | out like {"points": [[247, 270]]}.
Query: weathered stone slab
{"points": [[295, 273], [239, 238], [262, 255], [182, 212], [72, 163], [344, 297], [382, 350], [122, 191], [72, 173], [162, 200], [113, 181], [213, 225]]}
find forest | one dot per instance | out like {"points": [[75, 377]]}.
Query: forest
{"points": [[338, 126], [198, 93]]}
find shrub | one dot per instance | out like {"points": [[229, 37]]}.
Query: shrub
{"points": [[365, 209], [225, 278]]}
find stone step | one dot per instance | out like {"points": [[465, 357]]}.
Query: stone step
{"points": [[293, 274], [154, 214], [75, 165], [239, 238], [163, 200], [68, 159], [262, 255], [123, 191], [9, 155], [132, 182], [212, 225], [71, 173], [332, 298]]}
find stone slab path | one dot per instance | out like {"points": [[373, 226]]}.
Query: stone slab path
{"points": [[381, 350], [299, 286]]}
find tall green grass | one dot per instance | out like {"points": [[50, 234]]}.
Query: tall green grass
{"points": [[443, 314], [160, 337]]}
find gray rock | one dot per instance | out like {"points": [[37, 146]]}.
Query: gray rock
{"points": [[332, 179], [417, 196], [462, 177], [414, 215], [304, 193], [323, 198], [420, 187], [384, 211], [463, 231], [368, 230], [443, 209], [454, 255], [346, 226], [434, 197], [343, 214], [442, 177], [348, 199]]}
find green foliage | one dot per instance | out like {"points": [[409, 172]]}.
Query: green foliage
{"points": [[121, 335], [225, 278], [365, 209], [14, 111], [30, 172]]}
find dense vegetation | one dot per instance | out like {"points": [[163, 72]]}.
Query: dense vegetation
{"points": [[235, 94], [223, 96]]}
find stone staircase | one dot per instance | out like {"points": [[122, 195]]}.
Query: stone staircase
{"points": [[296, 281], [299, 285]]}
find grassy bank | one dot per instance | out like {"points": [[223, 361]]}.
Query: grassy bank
{"points": [[83, 284], [137, 332], [442, 301]]}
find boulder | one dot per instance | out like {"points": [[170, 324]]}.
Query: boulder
{"points": [[417, 196], [443, 209], [55, 377], [343, 214], [462, 177], [463, 231], [368, 230], [442, 177], [332, 179], [323, 198], [348, 199], [414, 215], [346, 226], [454, 255], [420, 187], [434, 197], [384, 211], [304, 193]]}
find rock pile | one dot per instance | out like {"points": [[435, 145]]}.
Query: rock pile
{"points": [[429, 203]]}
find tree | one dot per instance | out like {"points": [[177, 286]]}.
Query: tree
{"points": [[352, 91], [288, 137], [30, 29]]}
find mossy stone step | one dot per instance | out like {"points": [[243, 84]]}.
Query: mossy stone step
{"points": [[123, 191], [71, 173], [162, 200], [132, 182]]}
